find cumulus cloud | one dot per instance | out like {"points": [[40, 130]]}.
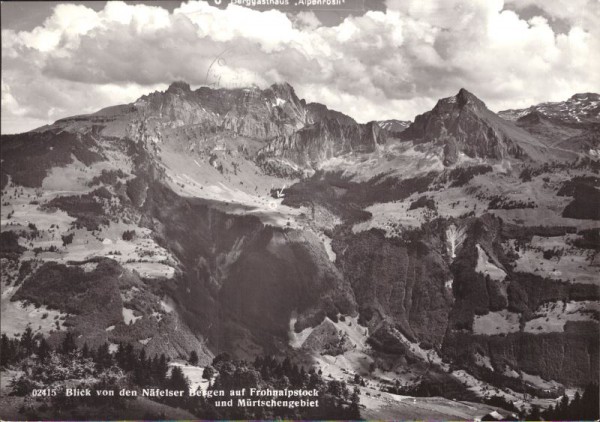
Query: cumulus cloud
{"points": [[383, 64]]}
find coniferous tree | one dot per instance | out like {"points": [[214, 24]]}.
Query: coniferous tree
{"points": [[178, 380], [27, 342], [563, 407], [130, 357], [208, 373], [43, 351], [162, 368], [120, 355], [142, 361], [220, 358], [590, 402], [85, 352], [549, 411], [575, 407], [583, 407], [534, 415], [125, 357], [193, 360], [142, 373], [4, 350], [286, 366], [68, 345], [103, 358], [354, 409], [8, 350]]}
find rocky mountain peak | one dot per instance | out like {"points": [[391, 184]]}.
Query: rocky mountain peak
{"points": [[461, 99], [179, 87], [464, 125], [284, 89], [465, 97], [532, 118]]}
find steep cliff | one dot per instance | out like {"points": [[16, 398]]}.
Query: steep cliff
{"points": [[398, 283], [325, 139], [241, 281]]}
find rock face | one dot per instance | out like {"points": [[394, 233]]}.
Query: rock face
{"points": [[241, 281], [299, 135], [251, 112], [463, 124], [323, 140], [397, 285], [570, 357], [402, 290]]}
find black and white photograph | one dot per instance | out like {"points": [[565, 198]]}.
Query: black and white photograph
{"points": [[300, 210]]}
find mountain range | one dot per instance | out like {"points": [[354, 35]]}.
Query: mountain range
{"points": [[452, 256]]}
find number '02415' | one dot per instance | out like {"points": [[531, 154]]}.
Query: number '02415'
{"points": [[46, 392]]}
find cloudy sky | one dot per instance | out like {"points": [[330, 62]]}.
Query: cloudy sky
{"points": [[392, 60]]}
